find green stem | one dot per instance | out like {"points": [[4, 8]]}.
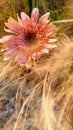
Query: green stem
{"points": [[13, 8], [32, 4], [2, 32], [63, 21]]}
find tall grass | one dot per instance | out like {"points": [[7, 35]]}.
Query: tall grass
{"points": [[13, 8], [32, 4], [43, 96]]}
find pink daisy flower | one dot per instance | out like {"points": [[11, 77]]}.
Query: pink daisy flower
{"points": [[30, 38]]}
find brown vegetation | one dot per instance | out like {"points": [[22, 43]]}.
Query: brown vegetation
{"points": [[40, 98]]}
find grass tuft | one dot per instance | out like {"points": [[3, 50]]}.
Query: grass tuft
{"points": [[13, 8]]}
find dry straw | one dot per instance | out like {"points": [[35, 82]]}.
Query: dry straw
{"points": [[40, 98]]}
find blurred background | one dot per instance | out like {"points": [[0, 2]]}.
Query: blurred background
{"points": [[59, 9]]}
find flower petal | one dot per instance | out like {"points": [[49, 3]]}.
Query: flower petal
{"points": [[22, 58], [31, 39], [35, 56], [43, 19], [10, 44], [24, 16], [20, 20], [49, 33], [28, 65], [7, 58], [45, 51], [10, 54], [48, 30], [52, 40], [7, 30], [5, 38], [50, 46], [34, 15], [13, 25]]}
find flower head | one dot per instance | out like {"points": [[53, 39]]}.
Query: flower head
{"points": [[30, 37]]}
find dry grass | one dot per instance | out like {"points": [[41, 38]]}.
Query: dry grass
{"points": [[40, 98]]}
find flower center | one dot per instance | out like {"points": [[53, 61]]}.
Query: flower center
{"points": [[30, 37]]}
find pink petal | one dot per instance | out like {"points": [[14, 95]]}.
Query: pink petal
{"points": [[13, 25], [10, 54], [20, 20], [45, 51], [10, 44], [28, 64], [35, 56], [21, 58], [5, 38], [47, 29], [49, 33], [7, 30], [44, 18], [50, 46], [52, 40], [24, 16], [34, 15], [7, 58]]}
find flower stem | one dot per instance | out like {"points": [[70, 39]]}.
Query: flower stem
{"points": [[13, 8], [32, 4], [63, 21], [2, 32]]}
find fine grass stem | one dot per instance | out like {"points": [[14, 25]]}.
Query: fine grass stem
{"points": [[13, 8]]}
